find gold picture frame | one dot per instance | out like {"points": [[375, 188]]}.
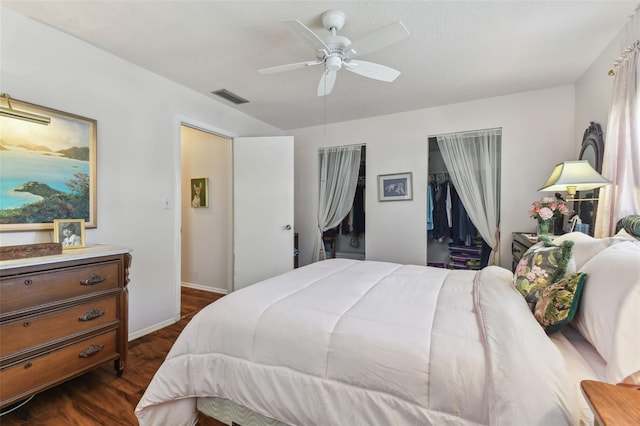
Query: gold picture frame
{"points": [[47, 172], [69, 232], [199, 192]]}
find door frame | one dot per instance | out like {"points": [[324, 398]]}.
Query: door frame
{"points": [[180, 121]]}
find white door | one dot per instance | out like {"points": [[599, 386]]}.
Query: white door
{"points": [[263, 208]]}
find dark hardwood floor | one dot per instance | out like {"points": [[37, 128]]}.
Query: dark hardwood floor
{"points": [[100, 397]]}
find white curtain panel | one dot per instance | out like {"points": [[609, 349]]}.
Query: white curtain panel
{"points": [[621, 160], [339, 169], [473, 163]]}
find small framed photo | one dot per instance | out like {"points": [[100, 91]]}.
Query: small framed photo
{"points": [[395, 187], [69, 232], [199, 195]]}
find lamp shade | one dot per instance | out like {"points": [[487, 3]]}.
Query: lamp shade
{"points": [[572, 176]]}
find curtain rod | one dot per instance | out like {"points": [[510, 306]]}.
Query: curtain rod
{"points": [[499, 129], [340, 146], [624, 56]]}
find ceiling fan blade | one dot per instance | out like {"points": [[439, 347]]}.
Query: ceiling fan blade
{"points": [[376, 40], [288, 67], [309, 36], [371, 70], [326, 83]]}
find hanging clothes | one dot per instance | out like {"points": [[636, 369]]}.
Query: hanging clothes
{"points": [[430, 207], [441, 228], [358, 212], [447, 216]]}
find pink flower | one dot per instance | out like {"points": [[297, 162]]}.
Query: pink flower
{"points": [[551, 206], [546, 213]]}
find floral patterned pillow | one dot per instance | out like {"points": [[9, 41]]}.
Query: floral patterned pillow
{"points": [[542, 265], [558, 302]]}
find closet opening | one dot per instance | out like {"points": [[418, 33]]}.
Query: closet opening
{"points": [[463, 198], [347, 239]]}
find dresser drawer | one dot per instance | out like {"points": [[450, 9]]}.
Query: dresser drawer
{"points": [[37, 330], [31, 290], [36, 374]]}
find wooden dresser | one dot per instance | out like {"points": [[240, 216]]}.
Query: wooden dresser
{"points": [[61, 316]]}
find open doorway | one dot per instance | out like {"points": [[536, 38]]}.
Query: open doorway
{"points": [[347, 240], [463, 199], [206, 210]]}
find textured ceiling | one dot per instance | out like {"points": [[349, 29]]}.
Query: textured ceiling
{"points": [[456, 51]]}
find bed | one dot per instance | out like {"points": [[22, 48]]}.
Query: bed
{"points": [[361, 342]]}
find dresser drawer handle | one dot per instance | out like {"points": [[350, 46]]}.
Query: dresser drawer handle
{"points": [[93, 279], [28, 282], [91, 314], [91, 350]]}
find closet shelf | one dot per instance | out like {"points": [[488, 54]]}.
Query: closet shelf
{"points": [[465, 257]]}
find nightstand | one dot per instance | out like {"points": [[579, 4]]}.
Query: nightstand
{"points": [[521, 242], [613, 404]]}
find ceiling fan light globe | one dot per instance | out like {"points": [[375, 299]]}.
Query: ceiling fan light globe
{"points": [[333, 63]]}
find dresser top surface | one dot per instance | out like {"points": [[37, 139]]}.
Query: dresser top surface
{"points": [[87, 252]]}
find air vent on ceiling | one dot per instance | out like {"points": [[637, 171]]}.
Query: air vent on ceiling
{"points": [[230, 96]]}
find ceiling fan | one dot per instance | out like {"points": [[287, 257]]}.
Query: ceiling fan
{"points": [[337, 51]]}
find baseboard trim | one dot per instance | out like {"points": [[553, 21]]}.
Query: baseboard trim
{"points": [[158, 326], [151, 329], [205, 288]]}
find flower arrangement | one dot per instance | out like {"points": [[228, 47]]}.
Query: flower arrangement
{"points": [[548, 208]]}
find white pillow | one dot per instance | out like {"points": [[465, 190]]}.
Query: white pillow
{"points": [[609, 312], [585, 246]]}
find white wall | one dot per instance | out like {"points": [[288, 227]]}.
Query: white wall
{"points": [[206, 231], [537, 133], [138, 115]]}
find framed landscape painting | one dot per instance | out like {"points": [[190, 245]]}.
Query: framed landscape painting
{"points": [[47, 172]]}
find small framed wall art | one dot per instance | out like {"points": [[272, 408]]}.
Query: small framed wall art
{"points": [[395, 187], [199, 194], [69, 232]]}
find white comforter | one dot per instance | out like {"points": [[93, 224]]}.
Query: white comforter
{"points": [[344, 342]]}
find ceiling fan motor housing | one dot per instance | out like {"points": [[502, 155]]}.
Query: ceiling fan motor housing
{"points": [[333, 19]]}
